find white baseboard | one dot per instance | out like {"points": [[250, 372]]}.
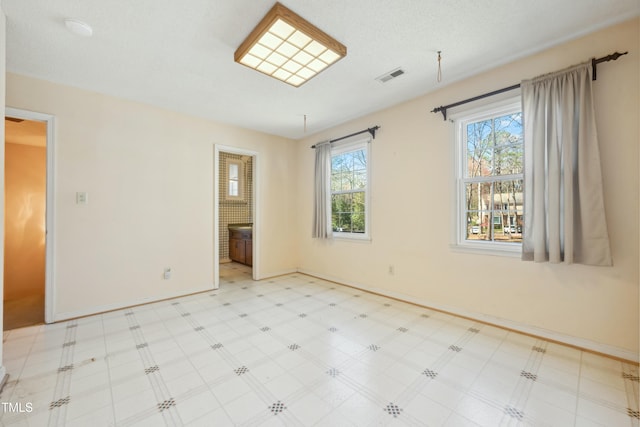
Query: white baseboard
{"points": [[58, 317], [582, 343], [272, 274]]}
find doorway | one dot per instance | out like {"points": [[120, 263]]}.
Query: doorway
{"points": [[235, 225], [27, 218]]}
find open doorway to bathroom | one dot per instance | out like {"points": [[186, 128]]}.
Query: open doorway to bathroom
{"points": [[235, 215], [25, 222]]}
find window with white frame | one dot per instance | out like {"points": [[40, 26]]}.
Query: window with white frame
{"points": [[489, 148], [235, 179], [350, 189]]}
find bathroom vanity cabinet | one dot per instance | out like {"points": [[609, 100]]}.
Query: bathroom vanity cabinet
{"points": [[241, 243]]}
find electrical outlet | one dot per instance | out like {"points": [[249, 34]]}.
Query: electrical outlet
{"points": [[82, 198], [392, 270], [167, 273]]}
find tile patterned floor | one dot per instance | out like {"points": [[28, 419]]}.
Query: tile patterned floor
{"points": [[299, 351]]}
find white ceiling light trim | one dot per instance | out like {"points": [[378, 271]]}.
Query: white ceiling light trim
{"points": [[78, 27], [289, 48]]}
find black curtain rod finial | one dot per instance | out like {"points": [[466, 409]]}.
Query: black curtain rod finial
{"points": [[594, 62], [373, 130], [611, 57], [442, 110]]}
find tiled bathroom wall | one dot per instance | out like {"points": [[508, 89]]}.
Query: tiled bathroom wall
{"points": [[234, 211]]}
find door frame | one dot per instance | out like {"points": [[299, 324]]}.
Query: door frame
{"points": [[255, 194], [49, 285]]}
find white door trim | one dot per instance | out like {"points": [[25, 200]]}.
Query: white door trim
{"points": [[216, 204], [49, 287]]}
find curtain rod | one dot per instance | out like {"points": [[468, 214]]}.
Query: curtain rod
{"points": [[594, 63], [372, 131]]}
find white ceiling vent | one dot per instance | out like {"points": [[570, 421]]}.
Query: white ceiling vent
{"points": [[390, 75]]}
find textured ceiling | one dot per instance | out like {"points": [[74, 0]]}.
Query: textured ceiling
{"points": [[179, 54]]}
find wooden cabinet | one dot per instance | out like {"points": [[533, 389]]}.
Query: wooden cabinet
{"points": [[248, 255], [241, 244], [237, 250]]}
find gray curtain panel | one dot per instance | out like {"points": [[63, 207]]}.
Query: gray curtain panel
{"points": [[564, 205], [322, 192]]}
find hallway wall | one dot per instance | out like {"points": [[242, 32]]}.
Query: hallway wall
{"points": [[3, 68], [24, 222]]}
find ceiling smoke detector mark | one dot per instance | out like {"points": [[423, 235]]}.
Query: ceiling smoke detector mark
{"points": [[390, 75], [78, 27]]}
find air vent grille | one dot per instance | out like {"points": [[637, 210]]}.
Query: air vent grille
{"points": [[390, 75]]}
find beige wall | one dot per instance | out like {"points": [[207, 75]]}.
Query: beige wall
{"points": [[412, 182], [149, 175], [24, 220]]}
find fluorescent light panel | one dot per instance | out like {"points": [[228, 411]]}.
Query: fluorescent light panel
{"points": [[289, 48]]}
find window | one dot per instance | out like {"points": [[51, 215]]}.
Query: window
{"points": [[489, 178], [235, 180], [350, 190]]}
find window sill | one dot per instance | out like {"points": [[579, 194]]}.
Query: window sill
{"points": [[492, 249], [351, 237]]}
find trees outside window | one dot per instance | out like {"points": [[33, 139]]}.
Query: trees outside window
{"points": [[349, 190], [489, 175]]}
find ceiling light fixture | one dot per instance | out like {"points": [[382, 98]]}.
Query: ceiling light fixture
{"points": [[78, 27], [288, 47]]}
